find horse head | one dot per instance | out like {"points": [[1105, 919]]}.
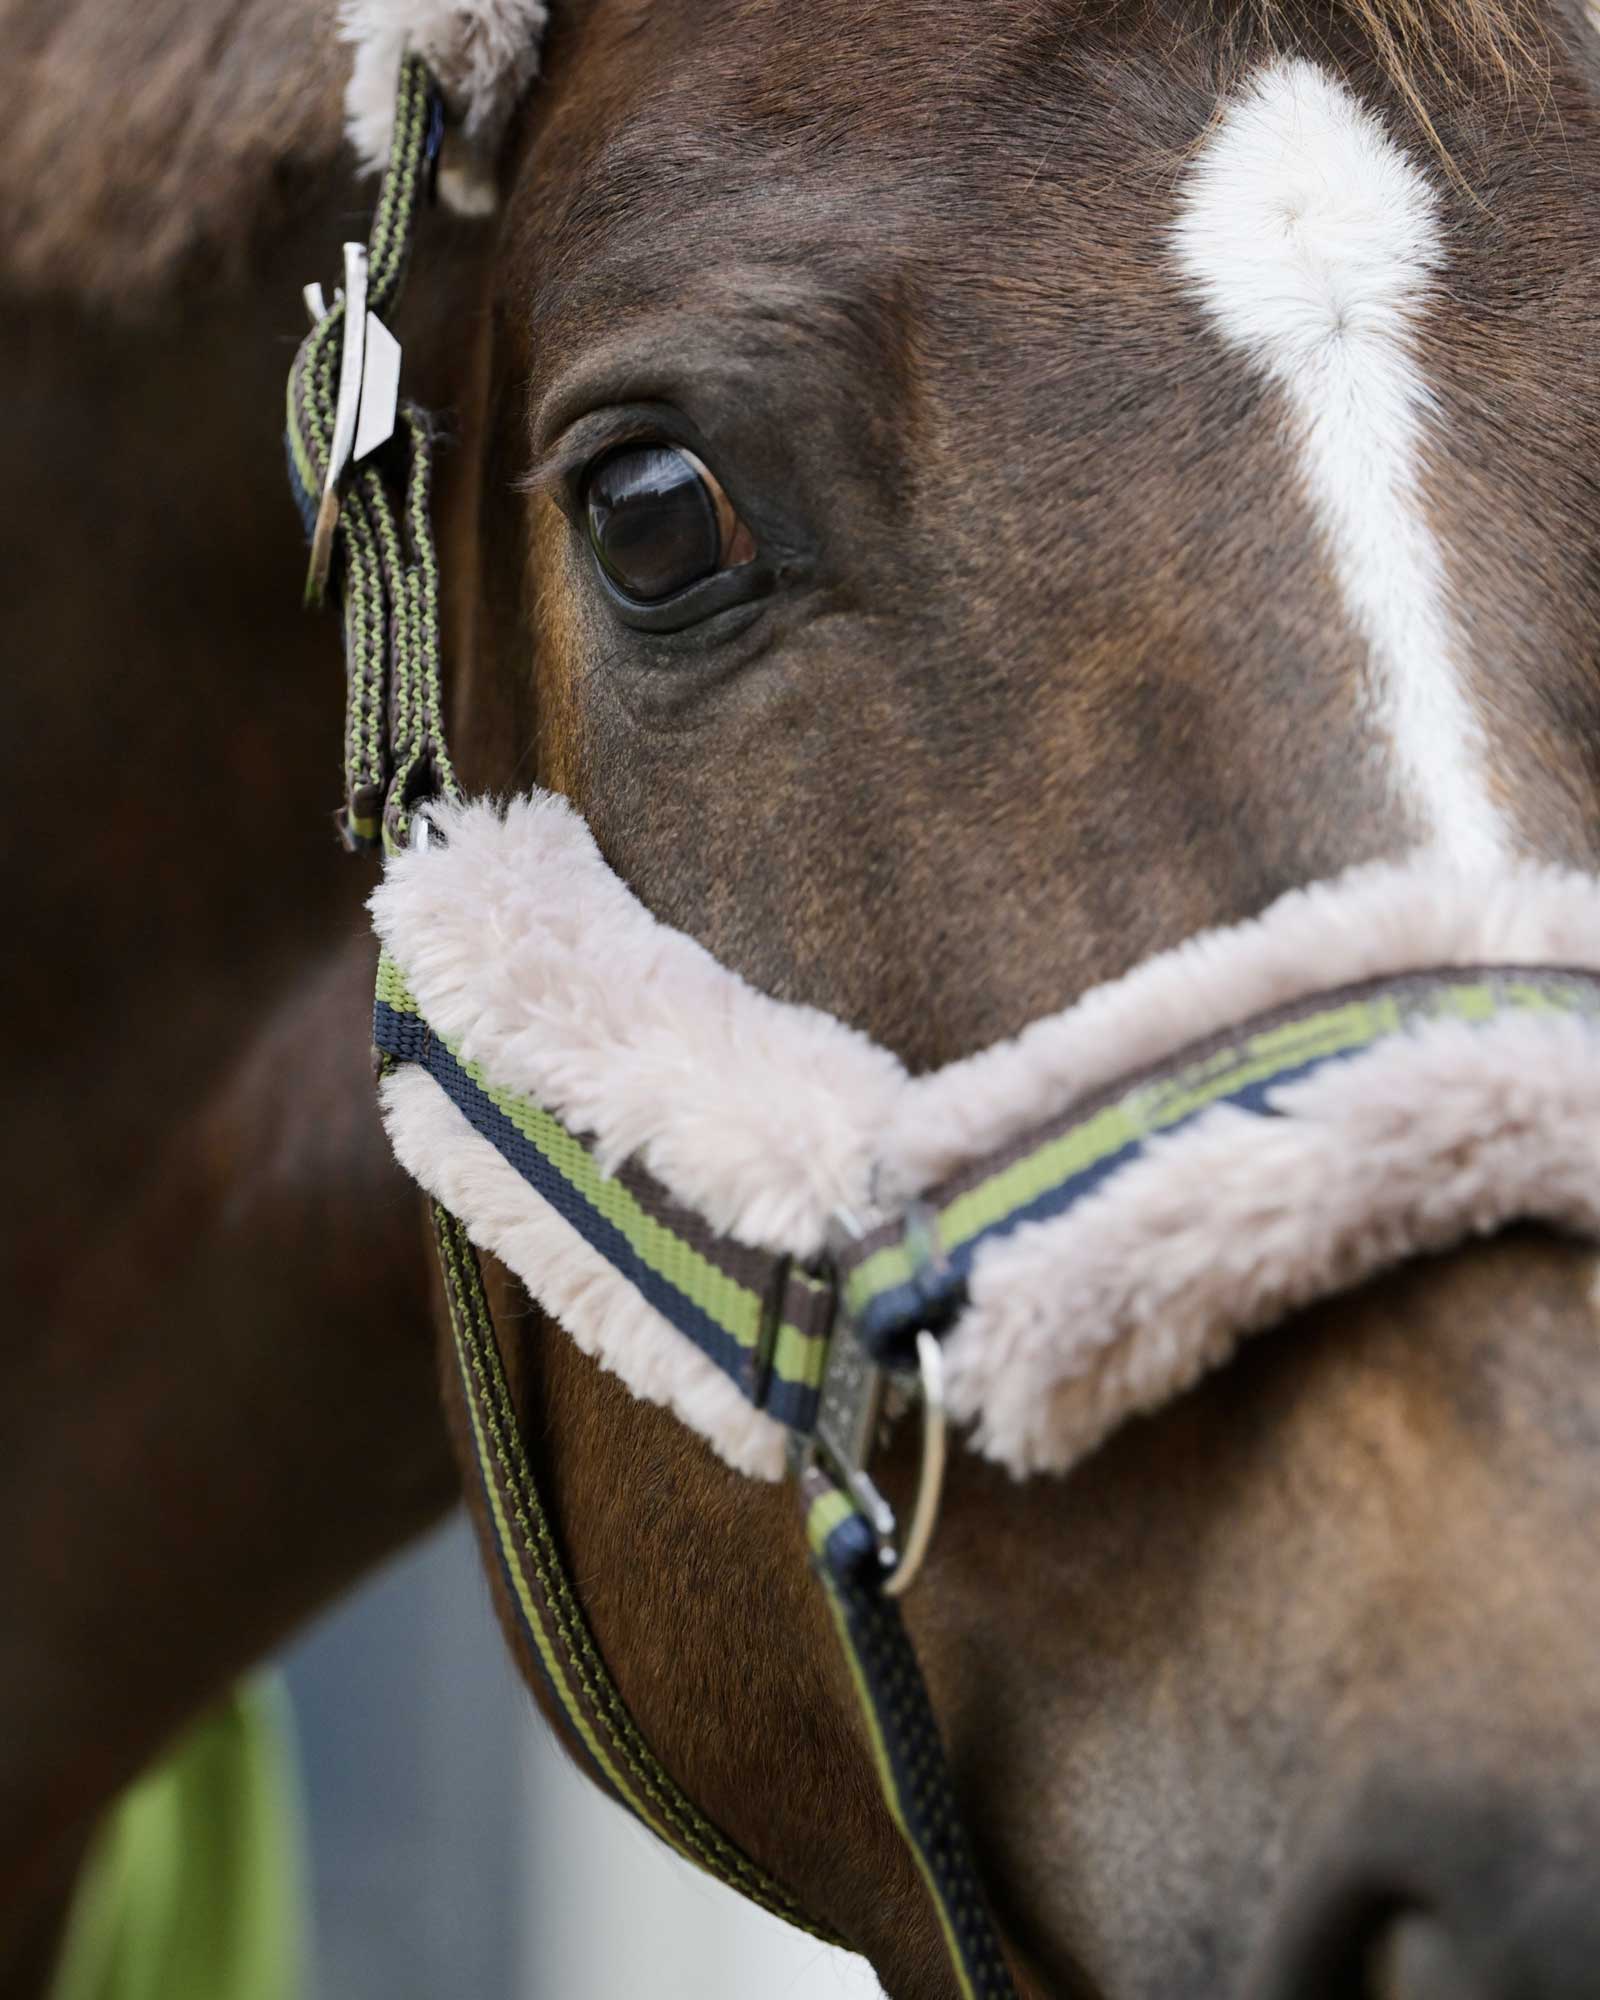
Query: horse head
{"points": [[962, 503]]}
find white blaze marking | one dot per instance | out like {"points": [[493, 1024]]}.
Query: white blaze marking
{"points": [[1313, 242]]}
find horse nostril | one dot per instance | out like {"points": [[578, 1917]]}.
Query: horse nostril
{"points": [[1414, 1957], [1439, 1898]]}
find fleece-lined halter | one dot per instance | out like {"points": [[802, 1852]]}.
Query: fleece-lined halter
{"points": [[752, 1214]]}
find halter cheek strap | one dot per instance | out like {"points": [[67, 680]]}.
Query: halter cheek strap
{"points": [[361, 472]]}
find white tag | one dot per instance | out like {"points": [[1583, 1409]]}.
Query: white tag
{"points": [[380, 388]]}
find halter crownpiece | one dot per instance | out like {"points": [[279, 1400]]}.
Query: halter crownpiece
{"points": [[753, 1215]]}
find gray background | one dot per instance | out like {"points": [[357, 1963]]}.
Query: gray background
{"points": [[456, 1855]]}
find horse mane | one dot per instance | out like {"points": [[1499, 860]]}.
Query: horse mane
{"points": [[1446, 47], [152, 149]]}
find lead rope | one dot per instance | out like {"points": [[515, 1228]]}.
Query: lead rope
{"points": [[378, 555], [913, 1771]]}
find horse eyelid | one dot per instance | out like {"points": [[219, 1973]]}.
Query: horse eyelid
{"points": [[590, 437]]}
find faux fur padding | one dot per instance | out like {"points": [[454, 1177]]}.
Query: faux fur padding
{"points": [[483, 53], [1225, 1227], [601, 1311], [524, 948], [1385, 918]]}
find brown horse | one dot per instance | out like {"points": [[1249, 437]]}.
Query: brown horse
{"points": [[1097, 620]]}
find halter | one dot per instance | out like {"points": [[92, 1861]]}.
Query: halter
{"points": [[872, 1232]]}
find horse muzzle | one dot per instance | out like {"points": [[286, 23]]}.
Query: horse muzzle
{"points": [[1444, 1894]]}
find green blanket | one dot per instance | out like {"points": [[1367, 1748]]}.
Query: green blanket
{"points": [[195, 1886]]}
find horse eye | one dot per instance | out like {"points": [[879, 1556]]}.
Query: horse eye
{"points": [[659, 521]]}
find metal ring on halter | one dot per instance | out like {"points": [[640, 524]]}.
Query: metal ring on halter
{"points": [[930, 1478], [856, 1397]]}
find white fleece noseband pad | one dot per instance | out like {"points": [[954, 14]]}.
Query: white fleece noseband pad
{"points": [[483, 54], [543, 969]]}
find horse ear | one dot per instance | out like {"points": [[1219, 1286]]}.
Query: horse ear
{"points": [[162, 145], [483, 53]]}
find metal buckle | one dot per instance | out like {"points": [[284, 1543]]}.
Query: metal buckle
{"points": [[850, 1407], [368, 404], [856, 1399]]}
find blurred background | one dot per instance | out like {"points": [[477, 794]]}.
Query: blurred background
{"points": [[455, 1849]]}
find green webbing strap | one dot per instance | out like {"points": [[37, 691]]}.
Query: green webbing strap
{"points": [[558, 1641], [759, 1317], [912, 1271]]}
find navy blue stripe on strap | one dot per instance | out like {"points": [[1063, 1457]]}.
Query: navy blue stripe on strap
{"points": [[939, 1291], [793, 1404], [407, 1038]]}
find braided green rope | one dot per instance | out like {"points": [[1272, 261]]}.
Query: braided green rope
{"points": [[913, 1770], [404, 183], [422, 766], [366, 765], [374, 555]]}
